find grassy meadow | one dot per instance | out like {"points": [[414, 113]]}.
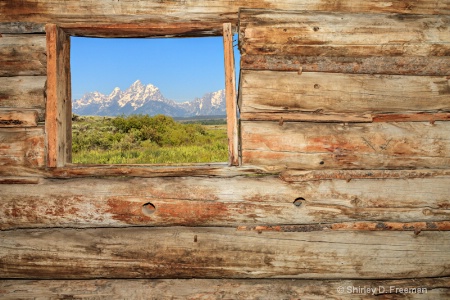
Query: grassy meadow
{"points": [[141, 139]]}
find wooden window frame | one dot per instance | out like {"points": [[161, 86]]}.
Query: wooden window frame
{"points": [[58, 117]]}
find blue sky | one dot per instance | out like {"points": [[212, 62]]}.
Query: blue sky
{"points": [[183, 68]]}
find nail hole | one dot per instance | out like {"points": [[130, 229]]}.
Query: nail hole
{"points": [[321, 162], [316, 28], [316, 86], [148, 209], [298, 201]]}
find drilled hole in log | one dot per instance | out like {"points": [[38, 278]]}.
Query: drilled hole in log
{"points": [[298, 201], [148, 209]]}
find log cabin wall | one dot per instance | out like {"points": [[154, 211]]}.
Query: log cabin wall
{"points": [[345, 148]]}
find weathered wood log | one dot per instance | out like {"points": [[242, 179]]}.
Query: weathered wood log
{"points": [[22, 92], [318, 116], [417, 227], [58, 112], [338, 34], [388, 65], [22, 55], [211, 13], [265, 200], [208, 289], [346, 146], [19, 118], [183, 252], [347, 94], [22, 147], [230, 95], [419, 117], [18, 180], [18, 27], [315, 116], [298, 176], [145, 171]]}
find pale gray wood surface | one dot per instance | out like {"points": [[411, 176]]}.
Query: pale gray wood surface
{"points": [[346, 146], [183, 252], [236, 201], [209, 289]]}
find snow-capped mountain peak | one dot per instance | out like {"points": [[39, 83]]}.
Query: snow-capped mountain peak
{"points": [[147, 99]]}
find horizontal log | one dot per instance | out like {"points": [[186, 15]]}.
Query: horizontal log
{"points": [[345, 146], [22, 147], [417, 227], [183, 252], [23, 92], [19, 118], [305, 117], [17, 27], [319, 116], [27, 16], [387, 65], [18, 180], [187, 201], [23, 55], [419, 117], [311, 33], [298, 176], [346, 94], [426, 288], [142, 170]]}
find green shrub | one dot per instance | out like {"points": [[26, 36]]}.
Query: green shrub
{"points": [[145, 139]]}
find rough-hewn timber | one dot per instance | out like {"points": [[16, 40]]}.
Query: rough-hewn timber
{"points": [[346, 146], [58, 112], [185, 252], [230, 95], [19, 118], [210, 201], [22, 92], [22, 147], [345, 94], [22, 55], [338, 34], [242, 289], [388, 65], [26, 16]]}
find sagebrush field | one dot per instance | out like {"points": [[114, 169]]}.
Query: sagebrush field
{"points": [[141, 139]]}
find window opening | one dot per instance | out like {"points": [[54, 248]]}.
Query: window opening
{"points": [[148, 101], [59, 115]]}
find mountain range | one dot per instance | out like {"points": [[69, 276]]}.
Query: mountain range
{"points": [[147, 99]]}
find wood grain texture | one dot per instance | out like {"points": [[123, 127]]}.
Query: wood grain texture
{"points": [[338, 34], [22, 92], [22, 55], [22, 147], [346, 146], [253, 201], [345, 94], [314, 116], [209, 289], [388, 65], [417, 227], [184, 252], [26, 16], [230, 95], [17, 27], [58, 111], [19, 118]]}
